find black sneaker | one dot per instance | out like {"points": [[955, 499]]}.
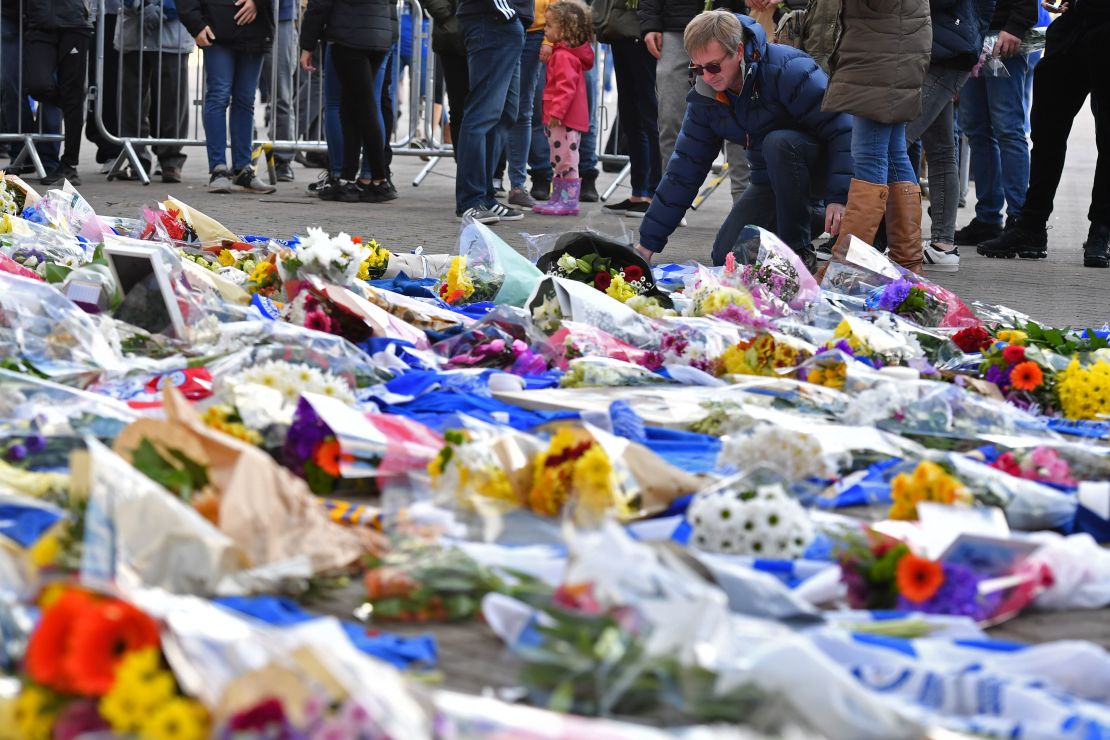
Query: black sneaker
{"points": [[375, 192], [1019, 239], [349, 192], [621, 207], [637, 210], [1096, 250], [823, 251], [247, 182], [541, 187], [977, 232], [60, 174], [312, 190], [505, 213]]}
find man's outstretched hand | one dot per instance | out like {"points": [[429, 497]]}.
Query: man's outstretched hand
{"points": [[834, 214], [644, 252]]}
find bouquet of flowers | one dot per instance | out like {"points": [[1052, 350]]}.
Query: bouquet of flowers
{"points": [[313, 310], [263, 278], [1041, 464], [709, 296], [502, 339], [909, 301], [620, 282], [468, 282], [586, 372], [575, 473], [94, 664], [167, 224], [375, 261], [337, 259], [266, 393], [14, 194], [795, 456], [929, 481], [775, 275], [768, 353], [1082, 390], [609, 266], [574, 340], [749, 514], [1020, 375]]}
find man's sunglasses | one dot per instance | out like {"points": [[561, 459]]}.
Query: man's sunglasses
{"points": [[697, 70]]}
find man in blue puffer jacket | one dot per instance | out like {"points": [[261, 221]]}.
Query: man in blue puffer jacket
{"points": [[768, 98]]}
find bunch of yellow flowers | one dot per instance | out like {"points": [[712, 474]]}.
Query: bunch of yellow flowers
{"points": [[1084, 391], [928, 482], [762, 355], [144, 701]]}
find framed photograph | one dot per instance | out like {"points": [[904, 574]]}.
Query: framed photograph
{"points": [[144, 283]]}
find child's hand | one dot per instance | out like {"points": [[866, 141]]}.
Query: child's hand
{"points": [[553, 122], [545, 53]]}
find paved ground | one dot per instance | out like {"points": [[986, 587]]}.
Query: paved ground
{"points": [[1059, 290]]}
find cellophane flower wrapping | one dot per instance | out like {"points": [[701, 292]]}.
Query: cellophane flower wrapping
{"points": [[575, 339], [504, 339], [774, 273], [477, 274]]}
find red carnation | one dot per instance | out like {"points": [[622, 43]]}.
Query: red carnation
{"points": [[1013, 354], [632, 273], [972, 339], [602, 280]]}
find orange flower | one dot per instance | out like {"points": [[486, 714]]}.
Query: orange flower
{"points": [[918, 579], [1026, 376], [47, 648], [327, 456], [100, 638]]}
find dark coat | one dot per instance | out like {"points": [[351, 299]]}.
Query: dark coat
{"points": [[357, 24], [219, 15], [879, 64], [674, 15], [782, 90], [1015, 16], [958, 30], [505, 10], [447, 36], [56, 15]]}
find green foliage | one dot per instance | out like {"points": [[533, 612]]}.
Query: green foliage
{"points": [[175, 471]]}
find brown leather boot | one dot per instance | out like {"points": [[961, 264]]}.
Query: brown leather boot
{"points": [[903, 225], [867, 203]]}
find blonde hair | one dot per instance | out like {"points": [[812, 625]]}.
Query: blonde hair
{"points": [[574, 21], [721, 26]]}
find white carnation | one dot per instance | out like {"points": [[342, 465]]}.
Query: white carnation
{"points": [[761, 522], [795, 456]]}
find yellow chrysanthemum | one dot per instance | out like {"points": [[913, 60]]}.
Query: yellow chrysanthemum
{"points": [[177, 719], [724, 297], [35, 711], [1012, 336], [620, 289], [227, 258], [831, 376], [928, 482], [1082, 391], [140, 688]]}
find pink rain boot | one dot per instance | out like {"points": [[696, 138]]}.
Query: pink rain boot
{"points": [[564, 198]]}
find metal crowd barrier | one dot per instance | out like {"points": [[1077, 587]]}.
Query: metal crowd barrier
{"points": [[415, 133]]}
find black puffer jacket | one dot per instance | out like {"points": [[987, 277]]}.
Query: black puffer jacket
{"points": [[358, 24], [447, 37], [958, 30], [219, 15], [1015, 16], [54, 15], [674, 15]]}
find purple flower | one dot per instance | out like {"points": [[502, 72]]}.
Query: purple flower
{"points": [[998, 375], [529, 363], [306, 432], [35, 443], [959, 595], [894, 294], [16, 453]]}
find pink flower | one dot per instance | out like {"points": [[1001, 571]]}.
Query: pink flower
{"points": [[494, 347], [730, 262], [317, 320], [519, 347]]}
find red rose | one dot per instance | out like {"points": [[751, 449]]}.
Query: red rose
{"points": [[973, 339], [632, 273], [602, 280], [1013, 354]]}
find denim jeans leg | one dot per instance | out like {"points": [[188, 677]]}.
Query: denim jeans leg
{"points": [[498, 138], [899, 167], [492, 49], [755, 207], [248, 69], [871, 150], [539, 153], [285, 66], [520, 136], [219, 74], [986, 164], [792, 158], [1006, 100], [333, 127], [588, 165]]}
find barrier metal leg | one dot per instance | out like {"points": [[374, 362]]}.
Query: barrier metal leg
{"points": [[965, 167], [129, 155], [30, 151], [621, 176], [425, 171], [709, 188], [257, 153]]}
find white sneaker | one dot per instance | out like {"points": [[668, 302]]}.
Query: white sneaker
{"points": [[937, 260], [682, 222]]}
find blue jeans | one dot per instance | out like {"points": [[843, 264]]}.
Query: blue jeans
{"points": [[520, 137], [879, 152], [333, 127], [782, 205], [638, 109], [230, 77], [493, 50], [588, 148], [992, 116]]}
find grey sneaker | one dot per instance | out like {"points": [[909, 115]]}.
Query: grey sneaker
{"points": [[480, 214], [504, 213], [247, 182], [520, 198], [219, 182]]}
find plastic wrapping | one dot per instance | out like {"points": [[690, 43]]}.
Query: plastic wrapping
{"points": [[774, 273], [504, 338], [557, 299]]}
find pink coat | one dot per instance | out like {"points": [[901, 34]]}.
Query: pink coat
{"points": [[564, 95]]}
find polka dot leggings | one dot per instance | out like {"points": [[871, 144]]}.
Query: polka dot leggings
{"points": [[564, 142]]}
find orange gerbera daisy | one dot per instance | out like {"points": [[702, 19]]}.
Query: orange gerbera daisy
{"points": [[1026, 376], [46, 651], [327, 456], [918, 579], [98, 641]]}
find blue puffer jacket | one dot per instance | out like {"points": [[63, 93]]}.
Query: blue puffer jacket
{"points": [[783, 88], [958, 30]]}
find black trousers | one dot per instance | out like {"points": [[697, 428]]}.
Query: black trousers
{"points": [[456, 76], [156, 102], [55, 63], [105, 150], [388, 119], [1072, 68], [358, 109]]}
